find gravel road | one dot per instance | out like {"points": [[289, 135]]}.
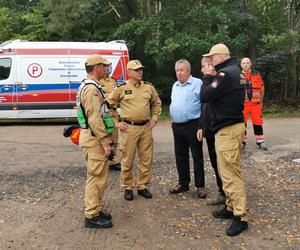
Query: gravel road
{"points": [[42, 178]]}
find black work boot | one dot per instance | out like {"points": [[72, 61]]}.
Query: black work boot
{"points": [[223, 214], [128, 195], [236, 227], [105, 215], [145, 193], [262, 146], [97, 222], [115, 167]]}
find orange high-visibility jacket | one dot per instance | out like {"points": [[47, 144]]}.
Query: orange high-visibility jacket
{"points": [[254, 83]]}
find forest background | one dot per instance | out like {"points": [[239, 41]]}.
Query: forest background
{"points": [[160, 32]]}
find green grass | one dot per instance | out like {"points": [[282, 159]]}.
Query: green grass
{"points": [[287, 112]]}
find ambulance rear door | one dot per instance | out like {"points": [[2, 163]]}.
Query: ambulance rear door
{"points": [[7, 87], [119, 59]]}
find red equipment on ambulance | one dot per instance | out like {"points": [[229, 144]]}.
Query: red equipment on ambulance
{"points": [[41, 79]]}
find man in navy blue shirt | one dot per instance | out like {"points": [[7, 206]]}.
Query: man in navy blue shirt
{"points": [[185, 111]]}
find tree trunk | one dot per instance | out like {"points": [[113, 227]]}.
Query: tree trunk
{"points": [[292, 77], [292, 57], [298, 76], [158, 10], [249, 30], [148, 7]]}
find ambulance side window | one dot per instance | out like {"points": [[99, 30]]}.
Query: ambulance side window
{"points": [[5, 66]]}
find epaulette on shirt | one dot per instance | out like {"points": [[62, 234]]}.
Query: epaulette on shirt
{"points": [[121, 84], [147, 82], [89, 81]]}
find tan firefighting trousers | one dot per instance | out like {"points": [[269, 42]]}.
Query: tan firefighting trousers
{"points": [[137, 138], [228, 142], [97, 174]]}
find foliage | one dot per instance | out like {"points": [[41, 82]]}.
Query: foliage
{"points": [[6, 24]]}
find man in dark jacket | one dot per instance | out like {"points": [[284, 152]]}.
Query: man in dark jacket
{"points": [[225, 94], [205, 130]]}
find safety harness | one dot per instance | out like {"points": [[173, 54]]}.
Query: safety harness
{"points": [[81, 114]]}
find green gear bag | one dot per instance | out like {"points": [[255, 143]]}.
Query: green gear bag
{"points": [[80, 118], [109, 124]]}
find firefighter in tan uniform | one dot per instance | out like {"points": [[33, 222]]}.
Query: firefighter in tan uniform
{"points": [[109, 84], [95, 143], [140, 109]]}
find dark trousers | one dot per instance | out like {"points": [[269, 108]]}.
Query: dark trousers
{"points": [[210, 141], [185, 138]]}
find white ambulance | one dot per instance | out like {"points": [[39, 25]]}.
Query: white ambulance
{"points": [[40, 79]]}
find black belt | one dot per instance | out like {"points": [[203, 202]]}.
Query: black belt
{"points": [[186, 123], [136, 123]]}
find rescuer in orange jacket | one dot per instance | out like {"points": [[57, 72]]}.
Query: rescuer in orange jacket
{"points": [[254, 95]]}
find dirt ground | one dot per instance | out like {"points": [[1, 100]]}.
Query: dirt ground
{"points": [[42, 179]]}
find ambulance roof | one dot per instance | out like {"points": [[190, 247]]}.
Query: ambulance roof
{"points": [[21, 44]]}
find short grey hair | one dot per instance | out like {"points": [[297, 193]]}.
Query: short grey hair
{"points": [[205, 59], [183, 61]]}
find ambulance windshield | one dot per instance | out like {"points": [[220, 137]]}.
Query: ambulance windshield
{"points": [[5, 66]]}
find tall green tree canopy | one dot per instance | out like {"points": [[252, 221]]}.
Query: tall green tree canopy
{"points": [[161, 32]]}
